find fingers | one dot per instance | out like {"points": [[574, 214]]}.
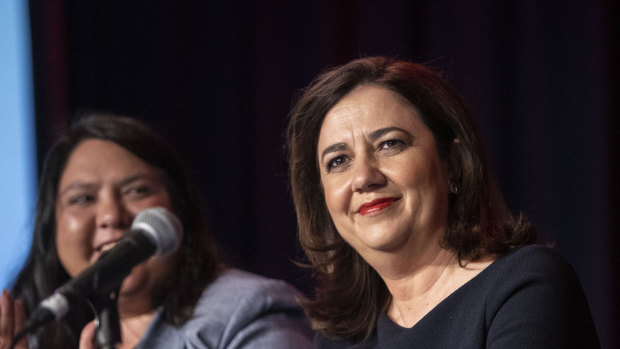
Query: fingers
{"points": [[87, 337], [6, 315], [12, 317], [19, 318]]}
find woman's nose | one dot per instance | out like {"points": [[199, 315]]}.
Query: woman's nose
{"points": [[367, 175], [112, 215]]}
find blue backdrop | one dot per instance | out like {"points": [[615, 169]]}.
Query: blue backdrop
{"points": [[17, 151]]}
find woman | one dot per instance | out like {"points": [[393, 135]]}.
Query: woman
{"points": [[95, 181], [411, 241]]}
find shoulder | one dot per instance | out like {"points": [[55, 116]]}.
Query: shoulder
{"points": [[535, 290], [535, 252], [534, 261], [240, 306], [249, 290], [538, 270]]}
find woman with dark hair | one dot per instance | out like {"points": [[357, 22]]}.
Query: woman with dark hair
{"points": [[411, 240], [95, 181]]}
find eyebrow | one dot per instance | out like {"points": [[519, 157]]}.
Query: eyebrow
{"points": [[87, 185], [76, 185], [373, 136], [333, 148], [134, 178]]}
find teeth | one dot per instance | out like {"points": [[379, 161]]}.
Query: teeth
{"points": [[108, 246]]}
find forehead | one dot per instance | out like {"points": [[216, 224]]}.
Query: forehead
{"points": [[365, 109], [94, 157]]}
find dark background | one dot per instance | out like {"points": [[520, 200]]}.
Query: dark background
{"points": [[217, 78]]}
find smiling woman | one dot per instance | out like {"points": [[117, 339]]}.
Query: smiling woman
{"points": [[386, 186], [95, 181], [102, 188], [411, 241]]}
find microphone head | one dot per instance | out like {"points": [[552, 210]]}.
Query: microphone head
{"points": [[162, 226]]}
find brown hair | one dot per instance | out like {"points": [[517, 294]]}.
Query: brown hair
{"points": [[350, 294]]}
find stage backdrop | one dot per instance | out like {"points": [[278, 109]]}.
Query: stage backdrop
{"points": [[218, 79]]}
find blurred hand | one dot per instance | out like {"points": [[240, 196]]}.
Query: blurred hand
{"points": [[12, 318], [87, 337]]}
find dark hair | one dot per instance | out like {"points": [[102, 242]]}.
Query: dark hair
{"points": [[350, 294], [43, 272]]}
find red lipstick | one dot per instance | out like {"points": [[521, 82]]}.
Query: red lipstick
{"points": [[376, 206]]}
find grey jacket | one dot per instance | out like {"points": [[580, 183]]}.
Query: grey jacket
{"points": [[237, 310]]}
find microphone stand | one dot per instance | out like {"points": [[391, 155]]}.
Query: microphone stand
{"points": [[107, 324]]}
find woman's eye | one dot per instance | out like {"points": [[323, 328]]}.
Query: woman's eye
{"points": [[392, 145], [80, 199], [138, 191], [335, 163]]}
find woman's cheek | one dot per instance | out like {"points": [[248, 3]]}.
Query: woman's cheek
{"points": [[73, 243]]}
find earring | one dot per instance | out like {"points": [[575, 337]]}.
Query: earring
{"points": [[454, 189]]}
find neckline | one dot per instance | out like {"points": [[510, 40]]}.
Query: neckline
{"points": [[385, 320]]}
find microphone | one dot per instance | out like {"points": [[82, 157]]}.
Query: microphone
{"points": [[154, 231]]}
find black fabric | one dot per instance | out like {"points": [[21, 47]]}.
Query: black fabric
{"points": [[529, 298]]}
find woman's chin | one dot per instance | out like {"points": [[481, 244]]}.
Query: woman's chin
{"points": [[382, 240], [134, 284]]}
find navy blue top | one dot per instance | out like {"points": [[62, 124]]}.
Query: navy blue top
{"points": [[529, 298]]}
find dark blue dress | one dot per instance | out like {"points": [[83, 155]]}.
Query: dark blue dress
{"points": [[529, 298]]}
